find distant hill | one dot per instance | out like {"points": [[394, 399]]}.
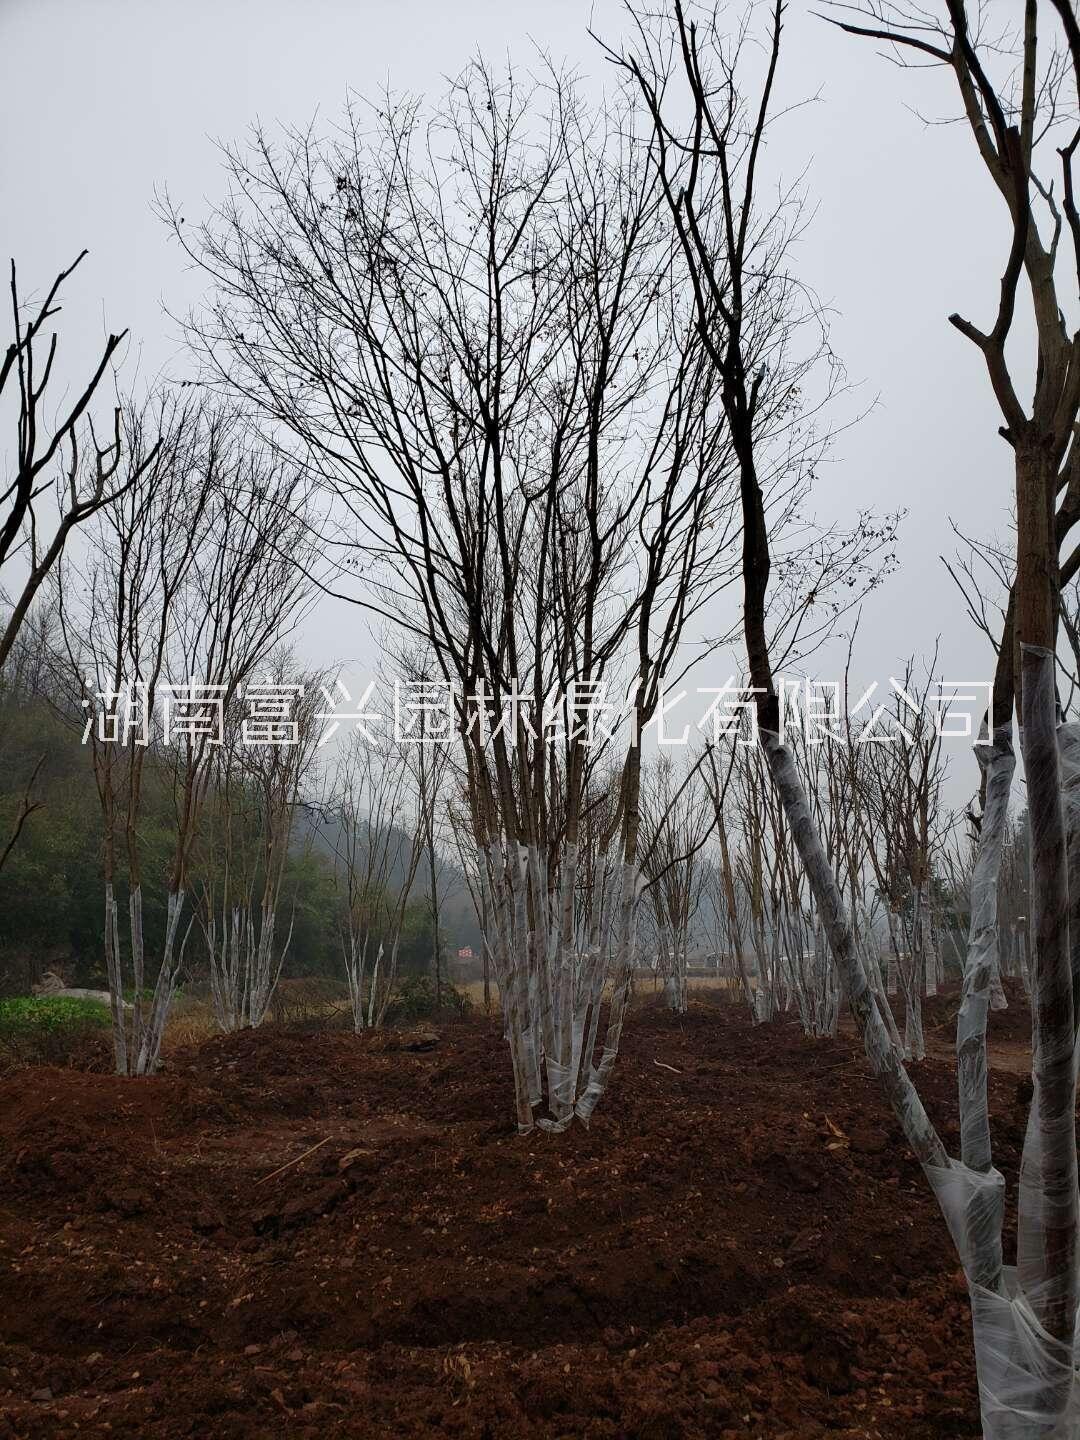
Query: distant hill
{"points": [[457, 915]]}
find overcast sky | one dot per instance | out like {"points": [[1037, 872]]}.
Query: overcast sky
{"points": [[106, 100]]}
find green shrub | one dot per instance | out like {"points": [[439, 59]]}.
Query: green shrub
{"points": [[415, 1000], [146, 994], [54, 1030]]}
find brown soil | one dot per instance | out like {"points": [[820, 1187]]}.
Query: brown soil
{"points": [[740, 1244]]}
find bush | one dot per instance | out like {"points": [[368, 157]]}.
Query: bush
{"points": [[415, 1000], [311, 1002], [54, 1030]]}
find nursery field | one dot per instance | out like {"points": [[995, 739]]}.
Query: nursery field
{"points": [[740, 1244]]}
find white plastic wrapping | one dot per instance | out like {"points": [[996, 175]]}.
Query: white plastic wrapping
{"points": [[1026, 1371], [1049, 1212], [1069, 761], [551, 965], [1023, 1316], [997, 762], [1027, 1379]]}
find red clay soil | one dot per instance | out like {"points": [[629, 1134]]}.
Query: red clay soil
{"points": [[740, 1245]]}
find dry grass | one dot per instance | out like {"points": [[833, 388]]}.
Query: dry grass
{"points": [[645, 984], [317, 1005], [191, 1021]]}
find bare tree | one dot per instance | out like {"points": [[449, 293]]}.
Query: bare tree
{"points": [[429, 757], [45, 446], [1018, 92], [470, 317], [1023, 1341], [256, 788], [380, 829], [898, 784], [676, 821], [61, 475], [735, 248], [190, 585], [766, 894]]}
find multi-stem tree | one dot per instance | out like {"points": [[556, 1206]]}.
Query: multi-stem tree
{"points": [[429, 757], [728, 902], [676, 821], [767, 899], [470, 318], [378, 825], [897, 789], [255, 790], [190, 584]]}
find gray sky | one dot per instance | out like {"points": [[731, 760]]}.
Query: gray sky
{"points": [[104, 100]]}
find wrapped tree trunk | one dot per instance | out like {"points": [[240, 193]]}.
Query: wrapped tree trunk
{"points": [[1025, 1325], [1024, 1318], [926, 943], [114, 971], [982, 1214], [892, 972], [746, 980]]}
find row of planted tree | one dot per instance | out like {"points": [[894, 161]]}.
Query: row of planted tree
{"points": [[360, 841], [536, 380]]}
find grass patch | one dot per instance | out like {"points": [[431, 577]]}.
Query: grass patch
{"points": [[53, 1030]]}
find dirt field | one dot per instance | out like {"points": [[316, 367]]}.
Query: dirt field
{"points": [[737, 1246]]}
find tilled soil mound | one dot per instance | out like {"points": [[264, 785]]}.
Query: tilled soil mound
{"points": [[740, 1244], [1011, 1025]]}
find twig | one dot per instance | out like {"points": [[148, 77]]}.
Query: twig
{"points": [[667, 1067], [290, 1163]]}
